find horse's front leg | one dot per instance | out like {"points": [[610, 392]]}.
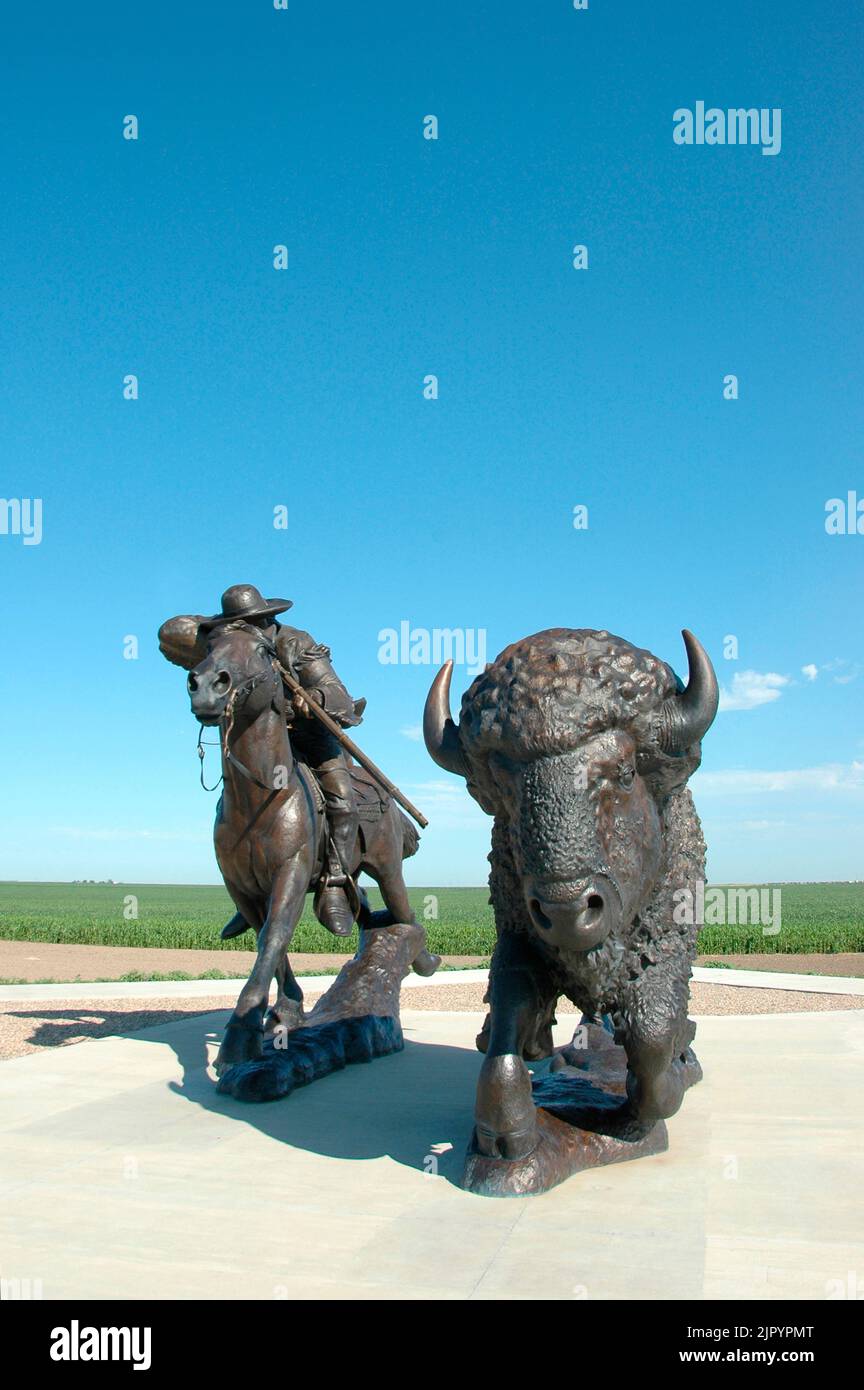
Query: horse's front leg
{"points": [[287, 1011], [242, 1041]]}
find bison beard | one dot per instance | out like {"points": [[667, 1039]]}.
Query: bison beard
{"points": [[580, 745]]}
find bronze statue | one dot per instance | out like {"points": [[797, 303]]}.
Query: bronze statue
{"points": [[183, 640], [274, 832], [580, 745]]}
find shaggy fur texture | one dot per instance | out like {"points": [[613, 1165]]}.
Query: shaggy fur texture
{"points": [[541, 698], [545, 694]]}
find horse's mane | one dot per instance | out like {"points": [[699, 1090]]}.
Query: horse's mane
{"points": [[240, 625]]}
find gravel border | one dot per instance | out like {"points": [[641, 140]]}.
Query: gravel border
{"points": [[34, 1026], [39, 961]]}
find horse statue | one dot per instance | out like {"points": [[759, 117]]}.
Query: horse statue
{"points": [[270, 833]]}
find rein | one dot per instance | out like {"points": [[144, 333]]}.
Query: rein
{"points": [[226, 725], [201, 746]]}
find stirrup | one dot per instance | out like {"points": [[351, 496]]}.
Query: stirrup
{"points": [[335, 875]]}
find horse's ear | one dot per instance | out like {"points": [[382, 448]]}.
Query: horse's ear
{"points": [[182, 642]]}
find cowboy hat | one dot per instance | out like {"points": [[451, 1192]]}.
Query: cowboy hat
{"points": [[243, 602]]}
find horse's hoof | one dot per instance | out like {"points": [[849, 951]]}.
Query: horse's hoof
{"points": [[239, 1044], [285, 1019], [425, 964]]}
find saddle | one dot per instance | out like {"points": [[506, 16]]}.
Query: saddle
{"points": [[372, 800]]}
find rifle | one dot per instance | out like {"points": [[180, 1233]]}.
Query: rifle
{"points": [[350, 746]]}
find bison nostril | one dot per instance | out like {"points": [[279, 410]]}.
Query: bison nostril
{"points": [[595, 902], [539, 916], [192, 684]]}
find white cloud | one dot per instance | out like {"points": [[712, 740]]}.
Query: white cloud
{"points": [[447, 804], [760, 826], [841, 670], [832, 777], [412, 731], [751, 689], [811, 671]]}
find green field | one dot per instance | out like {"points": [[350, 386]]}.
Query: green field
{"points": [[816, 917]]}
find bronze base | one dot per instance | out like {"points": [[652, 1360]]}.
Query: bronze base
{"points": [[582, 1121], [357, 1020]]}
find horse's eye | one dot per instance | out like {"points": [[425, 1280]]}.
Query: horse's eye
{"points": [[626, 775]]}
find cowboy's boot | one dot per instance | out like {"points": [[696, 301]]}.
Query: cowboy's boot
{"points": [[337, 903]]}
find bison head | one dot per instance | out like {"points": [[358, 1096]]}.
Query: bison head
{"points": [[574, 741]]}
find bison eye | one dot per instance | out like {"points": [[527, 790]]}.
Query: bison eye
{"points": [[626, 775]]}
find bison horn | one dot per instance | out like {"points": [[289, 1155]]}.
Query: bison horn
{"points": [[440, 734], [688, 715]]}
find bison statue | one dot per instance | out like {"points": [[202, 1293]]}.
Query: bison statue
{"points": [[581, 745]]}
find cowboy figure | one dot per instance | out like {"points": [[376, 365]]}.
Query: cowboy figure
{"points": [[183, 640]]}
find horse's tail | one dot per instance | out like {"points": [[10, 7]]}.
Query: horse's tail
{"points": [[410, 837]]}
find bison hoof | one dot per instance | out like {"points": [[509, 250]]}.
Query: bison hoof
{"points": [[515, 1145], [655, 1098], [239, 1044], [505, 1119]]}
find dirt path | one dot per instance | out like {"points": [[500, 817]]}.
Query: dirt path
{"points": [[36, 961], [849, 964]]}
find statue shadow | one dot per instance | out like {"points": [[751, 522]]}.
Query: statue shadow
{"points": [[67, 1024], [414, 1106]]}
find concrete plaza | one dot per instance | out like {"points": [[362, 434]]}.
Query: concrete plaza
{"points": [[125, 1175]]}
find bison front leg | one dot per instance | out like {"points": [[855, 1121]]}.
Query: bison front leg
{"points": [[660, 1063], [505, 1117]]}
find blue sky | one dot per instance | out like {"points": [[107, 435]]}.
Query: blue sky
{"points": [[304, 387]]}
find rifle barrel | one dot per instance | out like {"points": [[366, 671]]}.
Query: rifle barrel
{"points": [[351, 747]]}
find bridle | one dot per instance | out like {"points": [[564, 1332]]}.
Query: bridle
{"points": [[226, 724]]}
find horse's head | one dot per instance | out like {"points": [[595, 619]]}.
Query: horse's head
{"points": [[237, 674]]}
